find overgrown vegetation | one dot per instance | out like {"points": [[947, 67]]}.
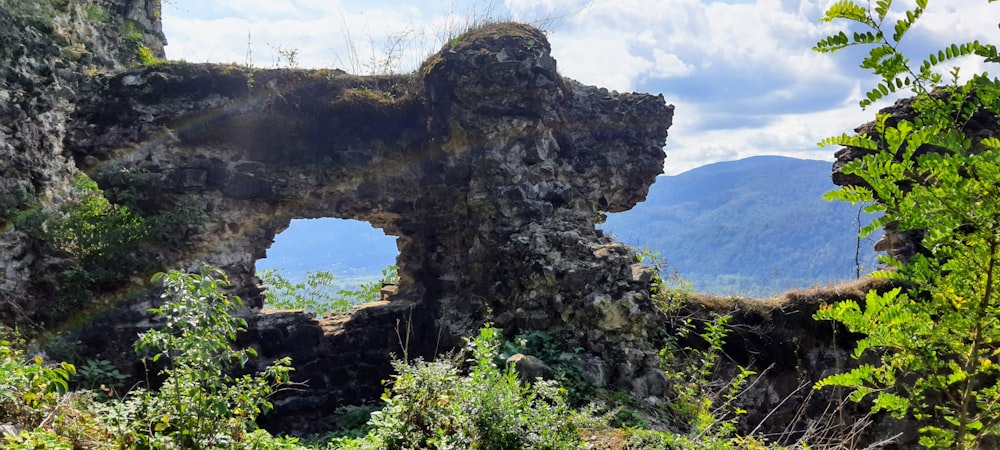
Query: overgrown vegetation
{"points": [[704, 402], [30, 388], [320, 293], [100, 241], [95, 13], [701, 407], [440, 405], [38, 13], [43, 15], [566, 364], [936, 345], [199, 403], [471, 399], [132, 39]]}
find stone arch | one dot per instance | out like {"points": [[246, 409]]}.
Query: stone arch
{"points": [[490, 168]]}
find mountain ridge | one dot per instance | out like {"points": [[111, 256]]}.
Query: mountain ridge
{"points": [[756, 226]]}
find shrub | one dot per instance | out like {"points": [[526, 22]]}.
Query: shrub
{"points": [[30, 387], [700, 411], [36, 439], [434, 405], [34, 395], [200, 404], [371, 291], [566, 364], [100, 243], [703, 402], [144, 56], [99, 374], [95, 13], [38, 13]]}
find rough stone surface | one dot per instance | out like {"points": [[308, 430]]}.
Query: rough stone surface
{"points": [[490, 168], [530, 367], [339, 358], [779, 340], [47, 56]]}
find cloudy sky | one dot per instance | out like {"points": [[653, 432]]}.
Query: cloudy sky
{"points": [[741, 73]]}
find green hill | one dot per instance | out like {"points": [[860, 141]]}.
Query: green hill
{"points": [[753, 227]]}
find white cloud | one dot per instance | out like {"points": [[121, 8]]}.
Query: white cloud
{"points": [[600, 59], [742, 74], [668, 65], [965, 20], [794, 135], [323, 33]]}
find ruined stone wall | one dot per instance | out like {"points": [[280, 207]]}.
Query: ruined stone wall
{"points": [[48, 55], [790, 352], [490, 168]]}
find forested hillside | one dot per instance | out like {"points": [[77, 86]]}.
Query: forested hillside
{"points": [[754, 227]]}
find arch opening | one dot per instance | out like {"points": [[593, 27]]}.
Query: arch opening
{"points": [[327, 265]]}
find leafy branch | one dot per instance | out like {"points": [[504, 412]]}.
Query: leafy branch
{"points": [[937, 343]]}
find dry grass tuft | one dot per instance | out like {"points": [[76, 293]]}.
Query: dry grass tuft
{"points": [[794, 300]]}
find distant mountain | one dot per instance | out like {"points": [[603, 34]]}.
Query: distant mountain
{"points": [[753, 227]]}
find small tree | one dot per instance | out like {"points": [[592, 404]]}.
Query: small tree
{"points": [[937, 344], [201, 404]]}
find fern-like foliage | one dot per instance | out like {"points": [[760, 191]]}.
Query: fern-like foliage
{"points": [[884, 57], [848, 10], [937, 344]]}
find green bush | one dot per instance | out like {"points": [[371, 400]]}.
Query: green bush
{"points": [[700, 410], [99, 373], [316, 295], [30, 387], [144, 56], [34, 396], [101, 242], [200, 404], [434, 405], [95, 13], [372, 290], [97, 236], [38, 13], [566, 364], [37, 439], [91, 228], [703, 402], [447, 403]]}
